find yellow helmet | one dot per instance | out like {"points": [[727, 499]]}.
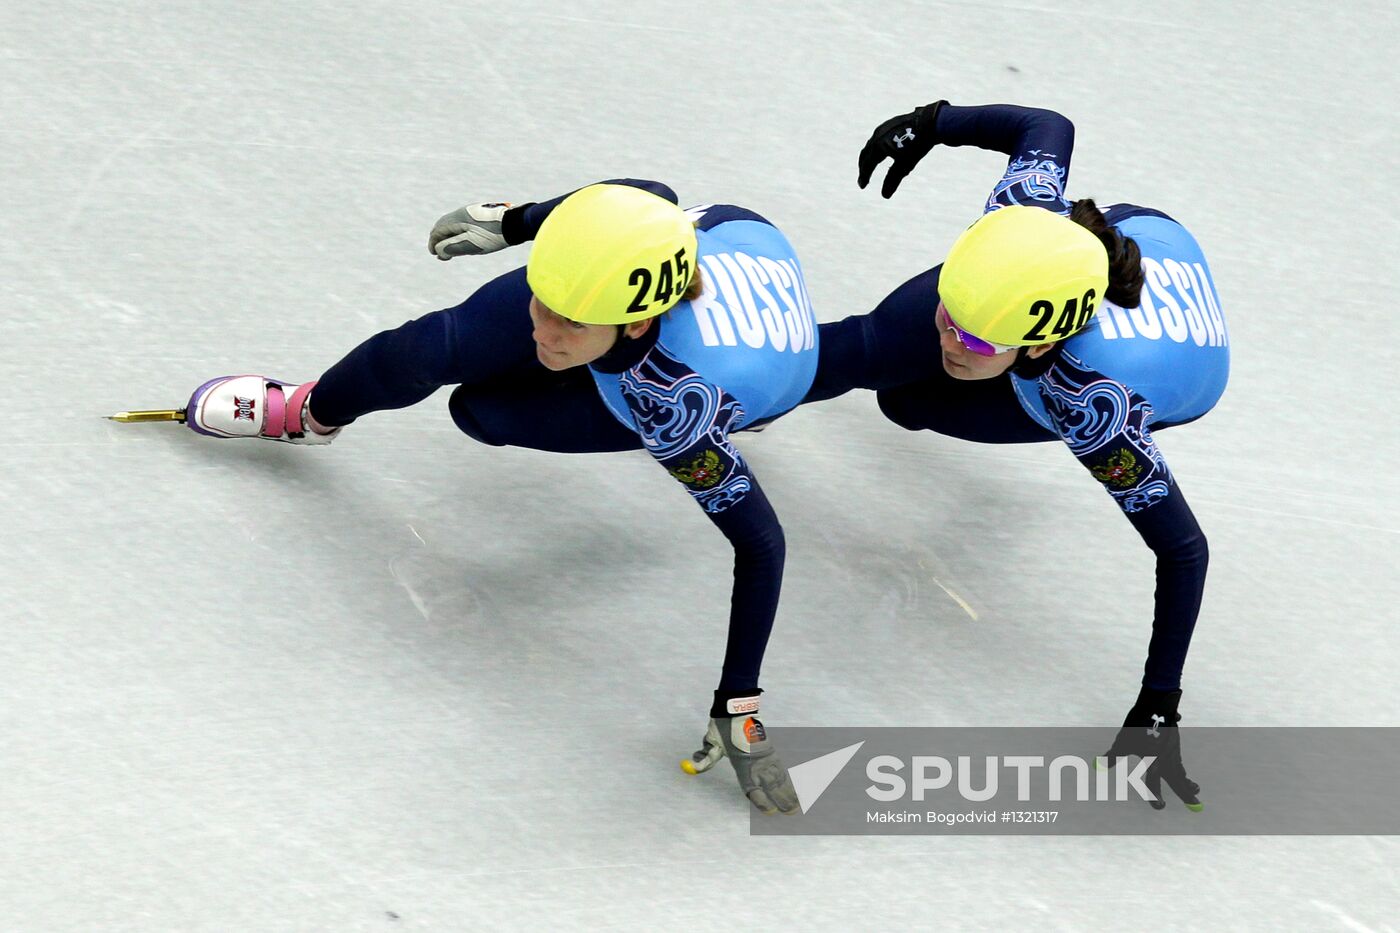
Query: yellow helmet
{"points": [[612, 254], [1022, 276]]}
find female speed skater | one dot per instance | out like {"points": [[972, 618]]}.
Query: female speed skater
{"points": [[635, 325], [1053, 320]]}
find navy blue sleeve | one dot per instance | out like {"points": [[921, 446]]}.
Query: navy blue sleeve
{"points": [[1105, 425], [520, 224], [1039, 143], [1008, 129], [1169, 528], [760, 550], [709, 216], [684, 423]]}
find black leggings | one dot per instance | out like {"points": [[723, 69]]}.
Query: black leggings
{"points": [[504, 395]]}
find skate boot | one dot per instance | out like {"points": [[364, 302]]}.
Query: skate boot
{"points": [[254, 406]]}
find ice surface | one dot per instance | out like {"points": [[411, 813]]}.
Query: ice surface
{"points": [[412, 683]]}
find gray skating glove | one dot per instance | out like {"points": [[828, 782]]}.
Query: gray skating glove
{"points": [[736, 734], [469, 231]]}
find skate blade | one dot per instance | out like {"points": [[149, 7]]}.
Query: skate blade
{"points": [[135, 417]]}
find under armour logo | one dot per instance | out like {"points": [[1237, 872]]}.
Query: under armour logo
{"points": [[903, 138], [1156, 721]]}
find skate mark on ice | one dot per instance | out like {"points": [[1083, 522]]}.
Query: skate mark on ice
{"points": [[398, 571], [105, 163], [953, 595], [1305, 516], [433, 583], [614, 24], [1345, 919]]}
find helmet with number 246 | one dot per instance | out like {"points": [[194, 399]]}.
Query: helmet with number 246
{"points": [[1022, 276]]}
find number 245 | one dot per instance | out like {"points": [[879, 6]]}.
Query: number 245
{"points": [[673, 276]]}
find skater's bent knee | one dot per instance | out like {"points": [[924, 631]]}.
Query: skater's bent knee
{"points": [[460, 404], [908, 411]]}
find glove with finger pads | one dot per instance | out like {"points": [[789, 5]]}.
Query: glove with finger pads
{"points": [[735, 733], [469, 231]]}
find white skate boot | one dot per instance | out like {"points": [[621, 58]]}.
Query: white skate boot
{"points": [[254, 406]]}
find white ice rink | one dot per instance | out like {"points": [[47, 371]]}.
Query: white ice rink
{"points": [[408, 682]]}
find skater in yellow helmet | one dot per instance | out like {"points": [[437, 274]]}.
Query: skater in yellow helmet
{"points": [[1051, 320], [631, 327]]}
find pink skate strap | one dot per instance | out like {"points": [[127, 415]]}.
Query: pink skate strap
{"points": [[295, 404], [275, 416]]}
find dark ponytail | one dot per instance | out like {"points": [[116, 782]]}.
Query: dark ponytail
{"points": [[1124, 258]]}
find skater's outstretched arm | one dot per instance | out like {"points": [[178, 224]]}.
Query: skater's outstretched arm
{"points": [[1105, 426], [522, 222], [489, 226], [684, 422], [1039, 143]]}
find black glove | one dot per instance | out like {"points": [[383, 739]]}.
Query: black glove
{"points": [[1150, 730], [906, 139]]}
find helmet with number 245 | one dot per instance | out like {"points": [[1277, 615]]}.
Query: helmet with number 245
{"points": [[612, 254]]}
